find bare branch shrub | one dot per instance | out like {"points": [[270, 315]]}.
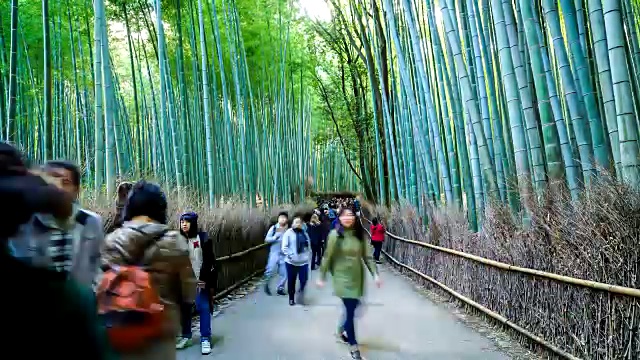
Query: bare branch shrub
{"points": [[595, 238]]}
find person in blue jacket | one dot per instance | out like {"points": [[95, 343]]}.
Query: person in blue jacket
{"points": [[276, 257]]}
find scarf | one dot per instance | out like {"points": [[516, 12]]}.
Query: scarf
{"points": [[302, 241], [60, 247]]}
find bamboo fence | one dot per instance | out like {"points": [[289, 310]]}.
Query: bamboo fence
{"points": [[571, 318]]}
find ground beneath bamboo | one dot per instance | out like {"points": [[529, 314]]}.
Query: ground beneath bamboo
{"points": [[396, 323]]}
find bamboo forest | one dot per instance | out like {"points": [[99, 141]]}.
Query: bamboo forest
{"points": [[430, 103]]}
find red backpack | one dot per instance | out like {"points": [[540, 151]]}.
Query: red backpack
{"points": [[130, 307]]}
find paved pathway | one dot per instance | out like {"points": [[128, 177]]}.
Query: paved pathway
{"points": [[397, 324]]}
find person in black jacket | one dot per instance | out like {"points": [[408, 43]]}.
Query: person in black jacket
{"points": [[315, 231], [204, 267]]}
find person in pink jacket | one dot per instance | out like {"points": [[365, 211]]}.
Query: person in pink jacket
{"points": [[377, 238]]}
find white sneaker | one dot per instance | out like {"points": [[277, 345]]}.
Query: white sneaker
{"points": [[205, 346]]}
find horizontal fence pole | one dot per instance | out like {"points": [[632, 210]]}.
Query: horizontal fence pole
{"points": [[494, 315], [497, 264], [233, 287], [242, 253]]}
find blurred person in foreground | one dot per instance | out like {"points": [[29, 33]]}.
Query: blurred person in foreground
{"points": [[71, 245], [145, 240], [62, 311]]}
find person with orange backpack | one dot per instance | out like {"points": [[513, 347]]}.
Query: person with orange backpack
{"points": [[147, 274]]}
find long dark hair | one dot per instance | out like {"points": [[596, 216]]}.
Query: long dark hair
{"points": [[146, 199], [357, 226], [375, 221]]}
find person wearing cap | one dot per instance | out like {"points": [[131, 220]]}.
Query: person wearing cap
{"points": [[204, 268]]}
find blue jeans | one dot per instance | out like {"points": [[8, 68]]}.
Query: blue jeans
{"points": [[276, 262], [349, 325], [202, 306], [377, 248]]}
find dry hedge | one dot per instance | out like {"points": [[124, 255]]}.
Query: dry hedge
{"points": [[234, 228], [595, 238]]}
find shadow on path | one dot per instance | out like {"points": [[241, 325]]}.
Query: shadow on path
{"points": [[396, 323]]}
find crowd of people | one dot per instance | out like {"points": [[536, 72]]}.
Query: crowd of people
{"points": [[332, 240], [119, 295]]}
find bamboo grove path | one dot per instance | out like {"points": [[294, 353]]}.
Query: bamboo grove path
{"points": [[398, 323]]}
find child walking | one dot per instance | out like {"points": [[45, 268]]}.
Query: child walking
{"points": [[202, 262]]}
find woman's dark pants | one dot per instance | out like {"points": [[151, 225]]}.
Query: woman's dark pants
{"points": [[349, 326], [377, 248], [316, 255], [301, 272]]}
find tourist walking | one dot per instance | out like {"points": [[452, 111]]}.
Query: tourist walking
{"points": [[315, 230], [326, 228], [71, 246], [145, 241], [275, 262], [58, 306], [346, 257], [297, 254], [378, 233], [203, 265]]}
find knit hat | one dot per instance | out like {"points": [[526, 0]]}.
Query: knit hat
{"points": [[189, 216]]}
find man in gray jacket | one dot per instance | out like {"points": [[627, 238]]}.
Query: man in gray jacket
{"points": [[276, 257], [71, 246]]}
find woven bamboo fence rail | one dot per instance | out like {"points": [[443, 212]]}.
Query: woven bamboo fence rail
{"points": [[240, 251], [537, 305], [238, 283]]}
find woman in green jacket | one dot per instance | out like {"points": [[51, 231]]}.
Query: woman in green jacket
{"points": [[346, 256]]}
